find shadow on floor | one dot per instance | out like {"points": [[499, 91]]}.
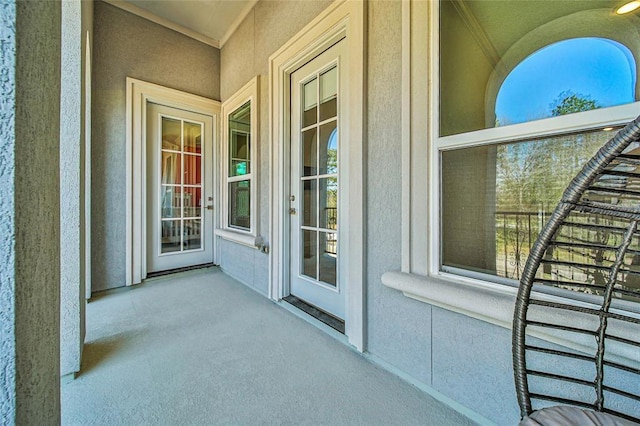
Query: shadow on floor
{"points": [[97, 352]]}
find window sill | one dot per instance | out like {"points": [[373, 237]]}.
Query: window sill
{"points": [[243, 238], [494, 303], [491, 303]]}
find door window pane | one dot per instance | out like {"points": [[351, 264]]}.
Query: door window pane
{"points": [[310, 152], [171, 168], [171, 236], [309, 202], [329, 203], [309, 253], [328, 258], [170, 202], [171, 134], [328, 148], [328, 94], [192, 169], [240, 204], [192, 235], [192, 199], [192, 137], [310, 103]]}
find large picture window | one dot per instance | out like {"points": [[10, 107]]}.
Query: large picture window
{"points": [[526, 95], [239, 170]]}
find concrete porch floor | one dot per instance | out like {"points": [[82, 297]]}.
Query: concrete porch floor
{"points": [[199, 348]]}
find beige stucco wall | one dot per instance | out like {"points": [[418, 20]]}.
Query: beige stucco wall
{"points": [[126, 45], [246, 54], [425, 343], [464, 76], [77, 20], [29, 219]]}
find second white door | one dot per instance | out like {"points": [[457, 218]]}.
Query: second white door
{"points": [[315, 200], [179, 188]]}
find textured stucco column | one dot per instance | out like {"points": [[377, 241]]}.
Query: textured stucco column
{"points": [[29, 212], [72, 254]]}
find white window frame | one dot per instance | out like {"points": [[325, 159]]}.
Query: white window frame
{"points": [[420, 277], [248, 93]]}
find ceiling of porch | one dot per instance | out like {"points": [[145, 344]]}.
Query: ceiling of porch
{"points": [[209, 21], [213, 21]]}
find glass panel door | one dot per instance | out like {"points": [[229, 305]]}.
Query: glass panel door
{"points": [[316, 205], [179, 188]]}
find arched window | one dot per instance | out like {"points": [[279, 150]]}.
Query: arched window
{"points": [[568, 76]]}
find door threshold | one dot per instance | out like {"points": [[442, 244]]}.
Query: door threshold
{"points": [[176, 270], [322, 316]]}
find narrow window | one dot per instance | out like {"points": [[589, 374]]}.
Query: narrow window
{"points": [[239, 170], [240, 114]]}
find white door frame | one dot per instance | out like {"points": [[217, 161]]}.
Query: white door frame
{"points": [[139, 94], [340, 19]]}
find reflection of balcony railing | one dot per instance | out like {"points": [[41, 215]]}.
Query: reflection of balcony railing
{"points": [[589, 241], [331, 221], [515, 234]]}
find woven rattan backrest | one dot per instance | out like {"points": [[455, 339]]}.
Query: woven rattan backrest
{"points": [[591, 245]]}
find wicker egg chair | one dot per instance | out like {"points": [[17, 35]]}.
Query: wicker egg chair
{"points": [[590, 245]]}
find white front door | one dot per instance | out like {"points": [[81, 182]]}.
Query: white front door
{"points": [[179, 188], [315, 200]]}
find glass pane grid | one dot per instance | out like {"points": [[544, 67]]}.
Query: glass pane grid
{"points": [[193, 142], [239, 178], [319, 165], [239, 168], [313, 126], [321, 229], [182, 233]]}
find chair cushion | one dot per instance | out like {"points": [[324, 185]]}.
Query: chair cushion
{"points": [[564, 415]]}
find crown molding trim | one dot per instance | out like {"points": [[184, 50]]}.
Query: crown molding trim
{"points": [[128, 7], [232, 29]]}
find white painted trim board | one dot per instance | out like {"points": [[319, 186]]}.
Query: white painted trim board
{"points": [[341, 18], [139, 93]]}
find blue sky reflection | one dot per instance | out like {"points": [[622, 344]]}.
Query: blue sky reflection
{"points": [[602, 69]]}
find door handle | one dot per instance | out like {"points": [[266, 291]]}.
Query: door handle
{"points": [[209, 207], [292, 210]]}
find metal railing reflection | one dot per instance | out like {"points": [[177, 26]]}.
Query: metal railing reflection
{"points": [[331, 220], [515, 234]]}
